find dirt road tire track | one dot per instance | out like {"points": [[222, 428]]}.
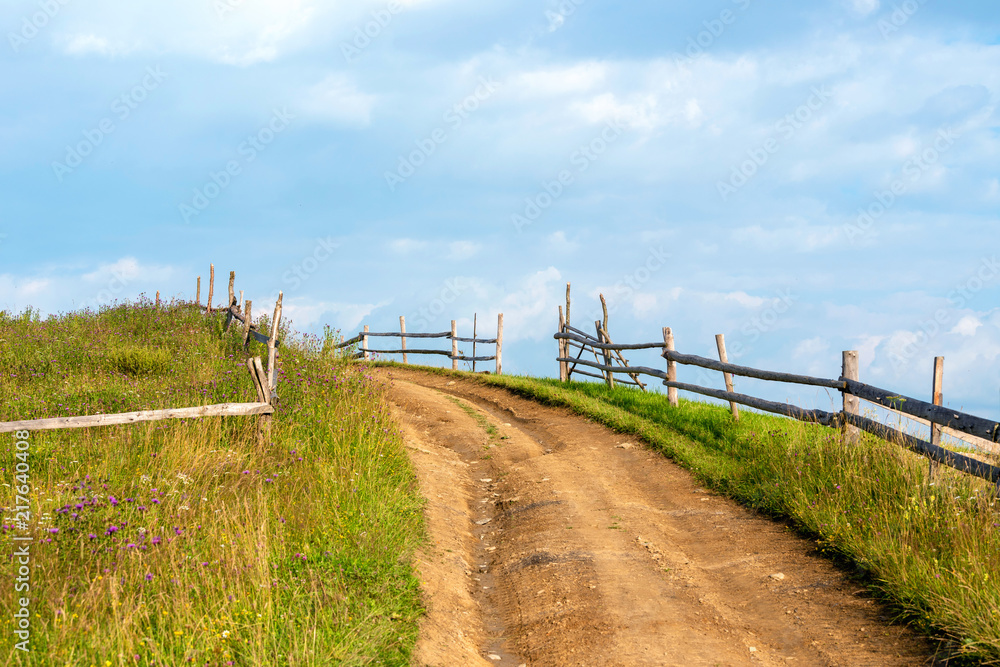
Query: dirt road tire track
{"points": [[557, 541]]}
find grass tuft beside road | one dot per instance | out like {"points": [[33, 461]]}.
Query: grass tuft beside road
{"points": [[193, 542]]}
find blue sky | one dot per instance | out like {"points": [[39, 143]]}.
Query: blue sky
{"points": [[803, 177]]}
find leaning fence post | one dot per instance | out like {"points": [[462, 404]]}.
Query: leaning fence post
{"points": [[364, 344], [272, 347], [720, 342], [937, 397], [668, 344], [211, 286], [500, 344], [852, 404], [562, 346], [402, 338], [567, 304], [247, 319], [608, 375], [454, 346]]}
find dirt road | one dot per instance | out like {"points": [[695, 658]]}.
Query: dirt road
{"points": [[559, 542]]}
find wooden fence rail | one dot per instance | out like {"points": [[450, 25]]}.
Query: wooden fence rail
{"points": [[264, 382], [939, 418], [452, 335]]}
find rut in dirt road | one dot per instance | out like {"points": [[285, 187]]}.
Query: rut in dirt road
{"points": [[559, 542]]}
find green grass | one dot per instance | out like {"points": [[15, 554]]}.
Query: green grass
{"points": [[196, 542], [929, 547]]}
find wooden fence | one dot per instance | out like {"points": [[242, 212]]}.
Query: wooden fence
{"points": [[265, 383], [609, 361], [365, 352]]}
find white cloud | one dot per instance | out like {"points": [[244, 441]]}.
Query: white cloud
{"points": [[338, 99], [407, 246], [459, 250], [967, 326], [559, 243], [864, 7], [348, 317], [528, 310]]}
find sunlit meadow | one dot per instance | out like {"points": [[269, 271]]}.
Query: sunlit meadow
{"points": [[198, 541]]}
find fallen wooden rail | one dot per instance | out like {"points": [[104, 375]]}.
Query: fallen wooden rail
{"points": [[217, 410]]}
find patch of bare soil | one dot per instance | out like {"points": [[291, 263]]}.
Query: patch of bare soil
{"points": [[556, 541]]}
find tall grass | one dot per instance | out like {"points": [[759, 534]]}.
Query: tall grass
{"points": [[929, 546], [197, 542]]}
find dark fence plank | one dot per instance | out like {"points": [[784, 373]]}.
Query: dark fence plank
{"points": [[959, 421], [693, 360], [616, 369], [814, 416], [593, 342], [960, 462]]}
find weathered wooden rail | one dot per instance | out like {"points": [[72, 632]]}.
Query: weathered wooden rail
{"points": [[365, 352], [977, 430]]}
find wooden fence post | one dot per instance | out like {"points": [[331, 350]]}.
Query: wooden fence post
{"points": [[232, 294], [475, 317], [500, 344], [454, 346], [937, 397], [211, 286], [852, 404], [248, 318], [562, 347], [364, 344], [720, 342], [272, 348], [609, 377], [567, 304], [157, 298], [402, 330], [668, 344], [240, 304], [197, 294]]}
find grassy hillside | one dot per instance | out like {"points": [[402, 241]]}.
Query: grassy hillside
{"points": [[194, 542], [930, 547]]}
